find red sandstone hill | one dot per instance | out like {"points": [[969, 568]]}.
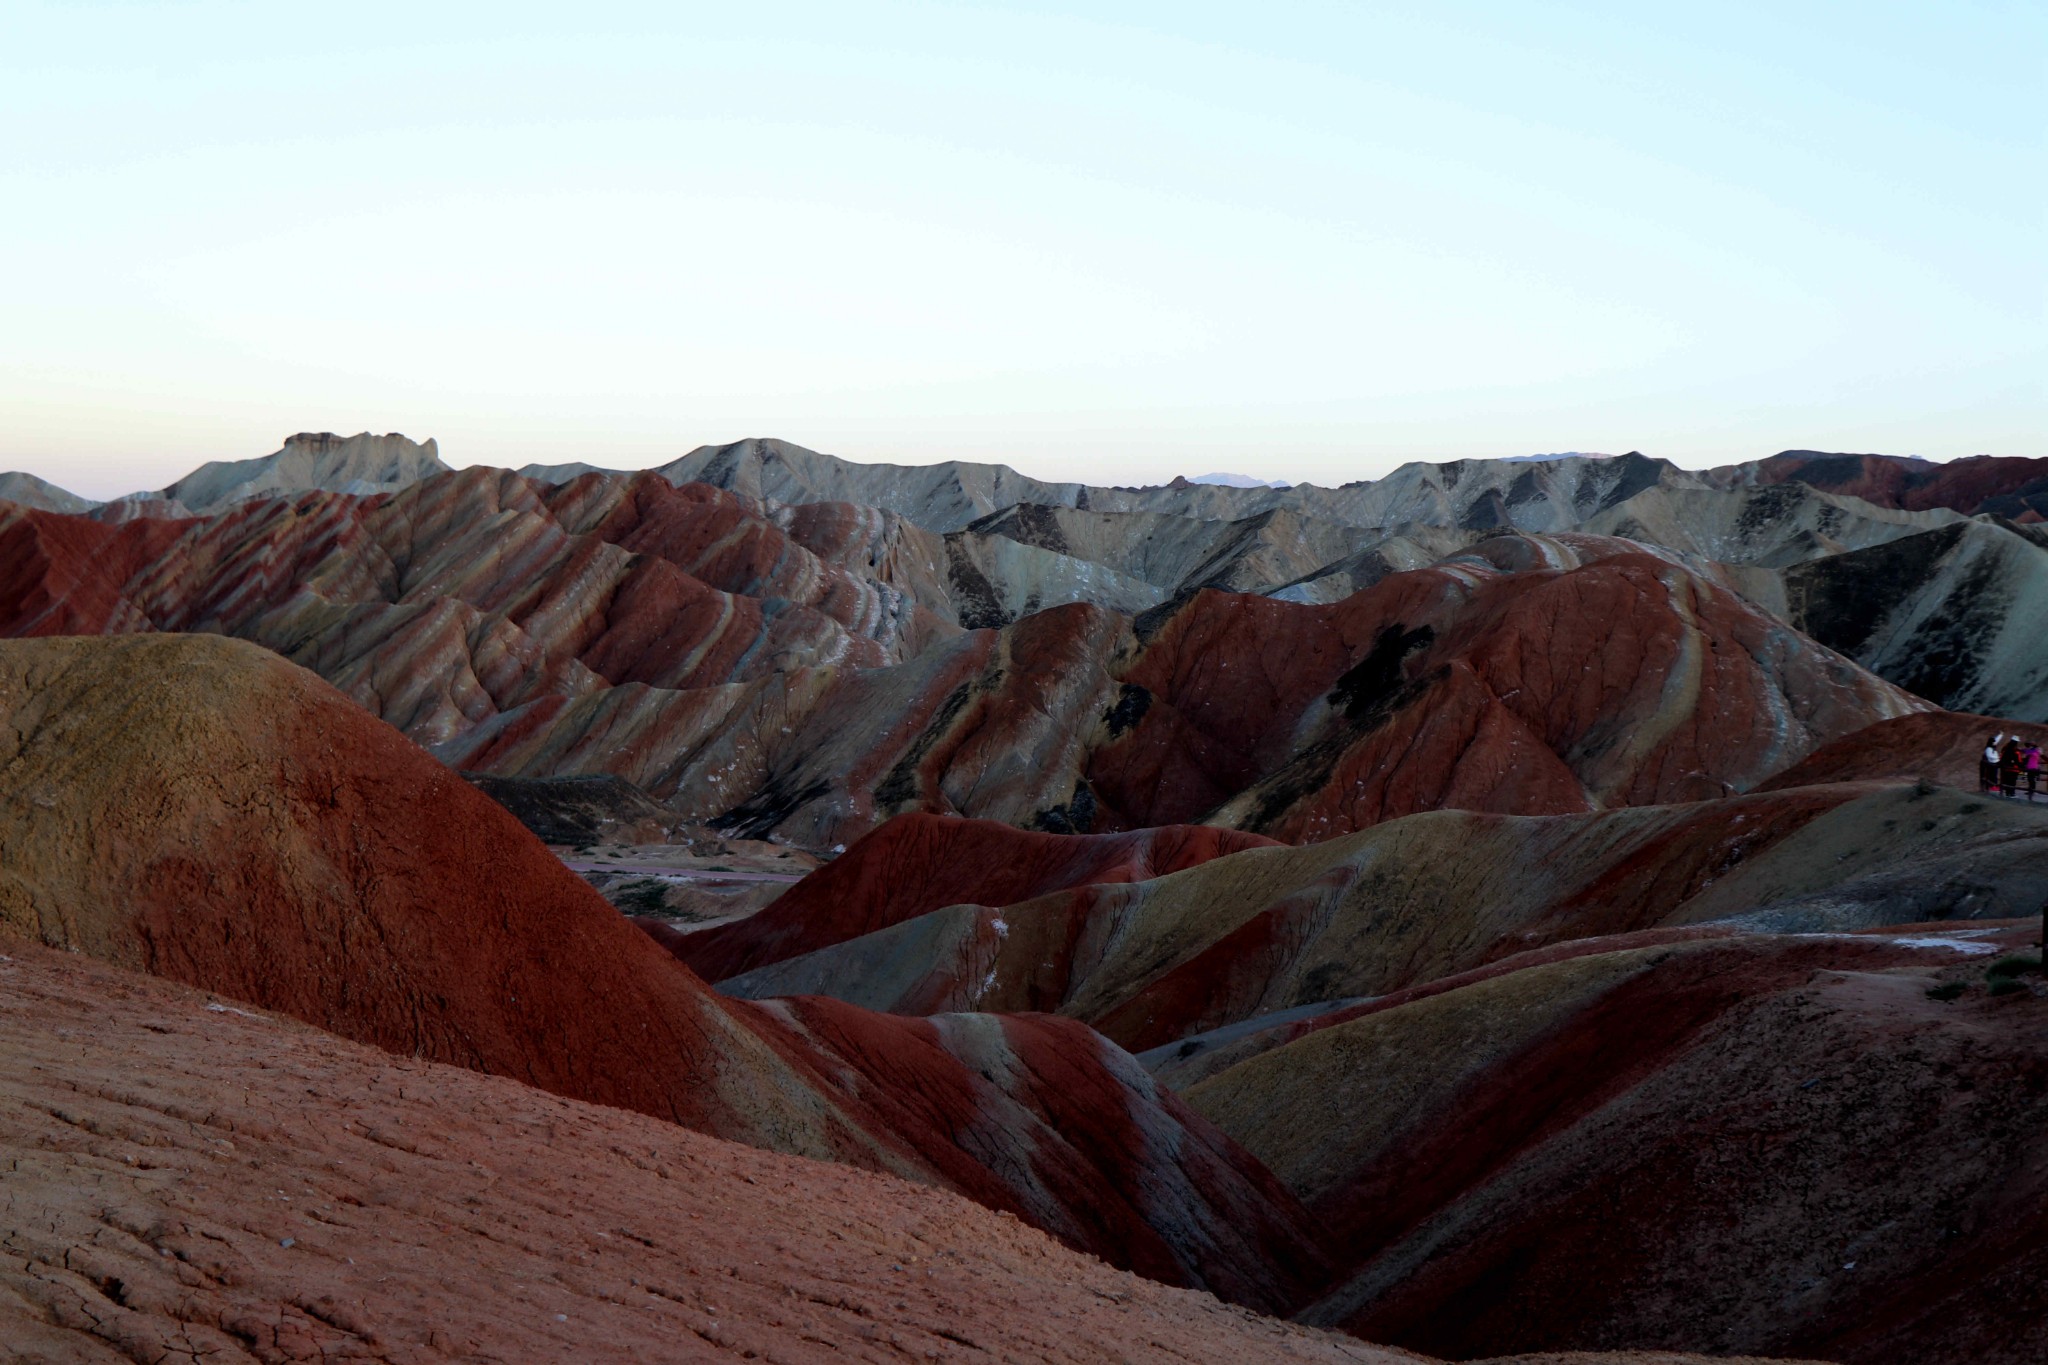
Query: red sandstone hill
{"points": [[795, 675], [915, 864], [1625, 681], [197, 808], [606, 579], [189, 1179], [1739, 1143], [1181, 967]]}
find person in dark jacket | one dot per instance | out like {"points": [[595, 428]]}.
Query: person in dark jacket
{"points": [[2009, 767]]}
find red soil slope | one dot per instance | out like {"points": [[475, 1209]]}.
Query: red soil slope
{"points": [[918, 863], [200, 809], [498, 589], [187, 1180], [1282, 929], [64, 575], [1738, 1143], [1628, 680], [1078, 1136], [1941, 746]]}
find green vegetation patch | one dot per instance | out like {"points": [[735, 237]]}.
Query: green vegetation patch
{"points": [[645, 896]]}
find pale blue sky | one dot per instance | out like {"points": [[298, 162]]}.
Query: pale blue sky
{"points": [[1114, 242]]}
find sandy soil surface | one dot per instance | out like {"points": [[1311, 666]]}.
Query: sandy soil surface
{"points": [[185, 1178], [189, 1180]]}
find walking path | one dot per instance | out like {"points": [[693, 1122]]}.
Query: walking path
{"points": [[694, 874]]}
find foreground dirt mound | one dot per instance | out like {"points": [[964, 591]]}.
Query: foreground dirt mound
{"points": [[200, 809], [1284, 929], [1749, 1143], [186, 1179], [197, 808], [915, 864]]}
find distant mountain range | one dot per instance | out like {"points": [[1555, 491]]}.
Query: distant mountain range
{"points": [[660, 626], [359, 464], [1237, 481]]}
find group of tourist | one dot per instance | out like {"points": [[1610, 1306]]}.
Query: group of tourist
{"points": [[2008, 765]]}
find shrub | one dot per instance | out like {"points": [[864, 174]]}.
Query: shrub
{"points": [[1947, 990], [645, 896], [2006, 985], [2013, 966]]}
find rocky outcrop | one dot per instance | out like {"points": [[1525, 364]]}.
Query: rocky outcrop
{"points": [[311, 460], [199, 809], [1748, 1143]]}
